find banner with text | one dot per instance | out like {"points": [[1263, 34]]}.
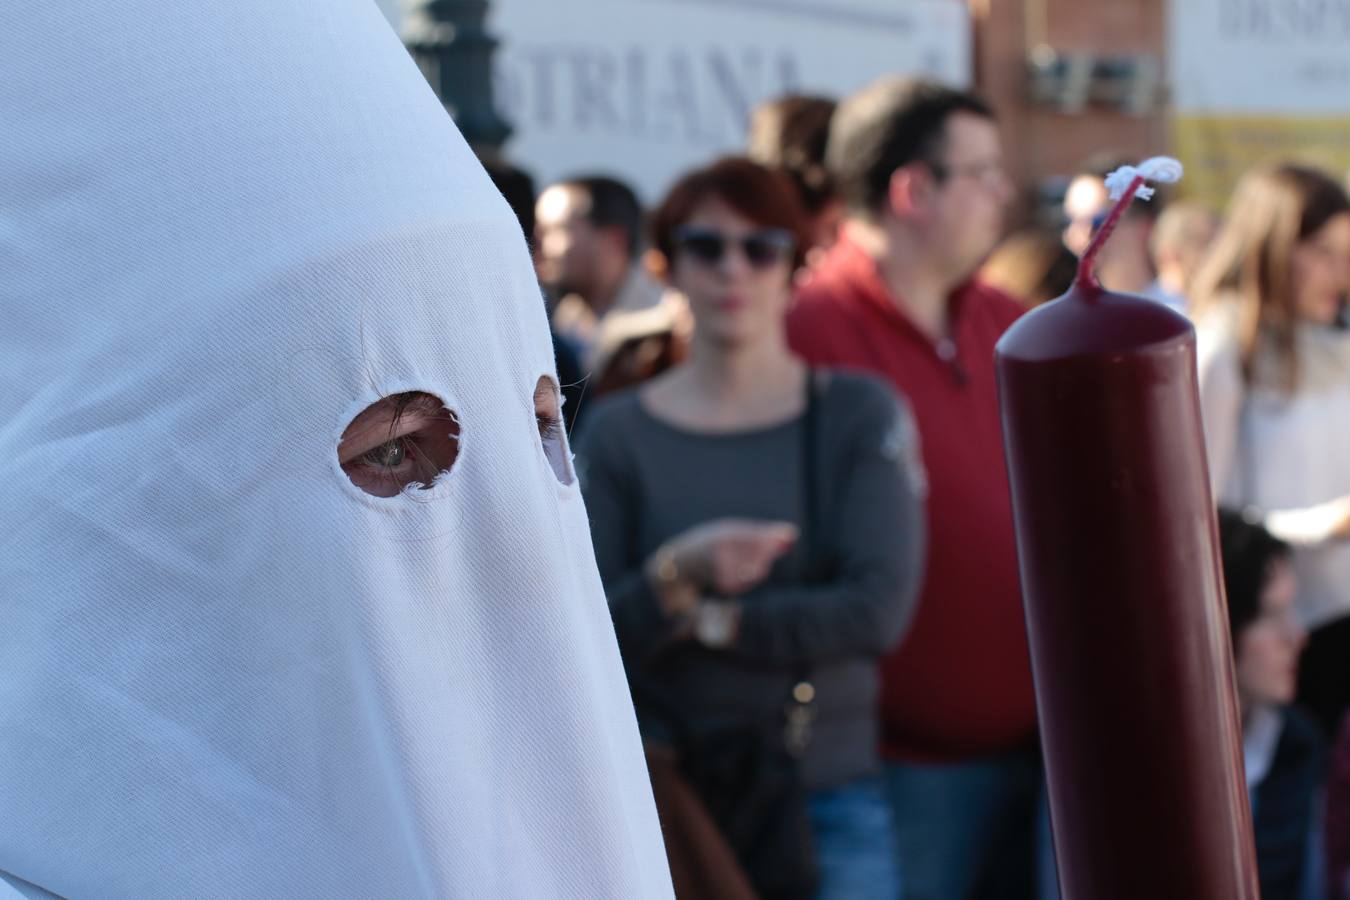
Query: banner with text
{"points": [[1258, 81], [644, 89]]}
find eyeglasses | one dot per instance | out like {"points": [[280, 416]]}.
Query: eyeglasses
{"points": [[988, 174], [1094, 222], [762, 249]]}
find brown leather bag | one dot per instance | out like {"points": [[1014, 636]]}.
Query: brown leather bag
{"points": [[702, 864]]}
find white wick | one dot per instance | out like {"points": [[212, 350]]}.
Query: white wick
{"points": [[1162, 169]]}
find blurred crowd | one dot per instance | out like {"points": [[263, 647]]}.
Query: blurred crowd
{"points": [[781, 392]]}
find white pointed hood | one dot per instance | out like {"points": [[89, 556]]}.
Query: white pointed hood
{"points": [[225, 671]]}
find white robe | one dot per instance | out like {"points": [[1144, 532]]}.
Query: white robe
{"points": [[225, 671]]}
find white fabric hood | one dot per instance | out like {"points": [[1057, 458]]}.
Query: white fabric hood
{"points": [[225, 671]]}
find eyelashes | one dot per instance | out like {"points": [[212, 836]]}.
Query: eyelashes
{"points": [[552, 436], [400, 462], [393, 456], [550, 426]]}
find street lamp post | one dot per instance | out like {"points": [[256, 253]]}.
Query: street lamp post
{"points": [[454, 51]]}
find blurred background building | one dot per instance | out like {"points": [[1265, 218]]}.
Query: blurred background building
{"points": [[647, 88]]}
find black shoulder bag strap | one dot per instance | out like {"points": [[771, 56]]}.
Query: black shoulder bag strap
{"points": [[800, 710]]}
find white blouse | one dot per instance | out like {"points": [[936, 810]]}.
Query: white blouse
{"points": [[1284, 455]]}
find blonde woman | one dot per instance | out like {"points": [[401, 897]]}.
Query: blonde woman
{"points": [[1275, 388]]}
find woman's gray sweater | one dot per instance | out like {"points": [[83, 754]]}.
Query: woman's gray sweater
{"points": [[645, 481]]}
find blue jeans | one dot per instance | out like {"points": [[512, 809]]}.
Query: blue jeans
{"points": [[967, 826], [855, 842], [1047, 886]]}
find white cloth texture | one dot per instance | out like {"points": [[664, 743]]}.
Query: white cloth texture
{"points": [[1284, 455], [226, 671]]}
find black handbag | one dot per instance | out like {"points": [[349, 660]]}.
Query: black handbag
{"points": [[748, 776], [748, 780]]}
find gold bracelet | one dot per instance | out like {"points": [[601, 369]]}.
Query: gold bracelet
{"points": [[664, 569]]}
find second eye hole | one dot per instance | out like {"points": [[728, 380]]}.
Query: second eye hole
{"points": [[548, 415]]}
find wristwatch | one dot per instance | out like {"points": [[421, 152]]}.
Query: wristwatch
{"points": [[716, 622]]}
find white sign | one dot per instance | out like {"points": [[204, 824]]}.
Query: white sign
{"points": [[644, 89], [1285, 57]]}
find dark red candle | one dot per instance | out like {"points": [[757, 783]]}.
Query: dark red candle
{"points": [[1117, 543]]}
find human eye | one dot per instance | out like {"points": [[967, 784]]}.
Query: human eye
{"points": [[398, 463], [548, 419], [400, 441], [389, 456]]}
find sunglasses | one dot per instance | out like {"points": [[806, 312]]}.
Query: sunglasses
{"points": [[762, 249], [1095, 221]]}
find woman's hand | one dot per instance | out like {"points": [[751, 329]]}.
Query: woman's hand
{"points": [[1340, 529], [1312, 526], [725, 557]]}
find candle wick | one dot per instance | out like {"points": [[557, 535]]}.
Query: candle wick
{"points": [[1086, 277]]}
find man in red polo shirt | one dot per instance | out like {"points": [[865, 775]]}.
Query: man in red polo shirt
{"points": [[920, 171]]}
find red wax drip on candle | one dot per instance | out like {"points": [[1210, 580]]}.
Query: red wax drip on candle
{"points": [[1085, 276]]}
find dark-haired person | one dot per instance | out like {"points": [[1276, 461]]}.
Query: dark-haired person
{"points": [[588, 240], [1032, 265], [920, 171], [1125, 263], [791, 133], [1281, 747], [517, 189], [1337, 828], [758, 524]]}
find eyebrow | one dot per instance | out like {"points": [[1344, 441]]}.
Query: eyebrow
{"points": [[414, 404]]}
